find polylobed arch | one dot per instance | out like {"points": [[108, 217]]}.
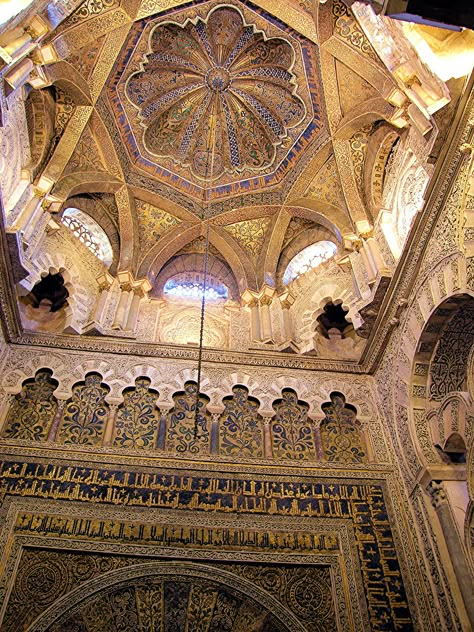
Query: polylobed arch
{"points": [[440, 400], [92, 380], [76, 308]]}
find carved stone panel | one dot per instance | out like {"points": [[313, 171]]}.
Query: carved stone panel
{"points": [[448, 368]]}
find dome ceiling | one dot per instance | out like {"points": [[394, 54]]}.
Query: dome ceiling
{"points": [[216, 89], [217, 84]]}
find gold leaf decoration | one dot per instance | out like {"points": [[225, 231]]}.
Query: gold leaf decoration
{"points": [[153, 223], [326, 185], [250, 234]]}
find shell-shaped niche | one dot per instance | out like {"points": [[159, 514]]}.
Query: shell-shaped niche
{"points": [[216, 83]]}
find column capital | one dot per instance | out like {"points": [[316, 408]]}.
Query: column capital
{"points": [[141, 287], [267, 417], [265, 300], [364, 229], [286, 299], [437, 492], [249, 297], [266, 294], [104, 281], [126, 280]]}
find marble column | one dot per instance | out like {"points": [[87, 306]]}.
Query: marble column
{"points": [[255, 320], [267, 436], [286, 301], [457, 554], [214, 433], [4, 408], [19, 73], [137, 295], [266, 319], [53, 431], [121, 312], [13, 47], [376, 255], [104, 281], [368, 261], [29, 210], [110, 426], [163, 427]]}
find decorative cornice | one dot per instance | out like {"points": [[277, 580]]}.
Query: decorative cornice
{"points": [[269, 469], [210, 356]]}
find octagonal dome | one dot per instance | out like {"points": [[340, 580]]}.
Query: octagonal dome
{"points": [[216, 93], [218, 85]]}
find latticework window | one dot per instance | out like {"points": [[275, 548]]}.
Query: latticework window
{"points": [[308, 259], [190, 286], [89, 233]]}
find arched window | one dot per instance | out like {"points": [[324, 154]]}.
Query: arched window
{"points": [[308, 259], [89, 233], [190, 285]]}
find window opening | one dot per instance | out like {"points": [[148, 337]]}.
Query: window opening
{"points": [[333, 317], [89, 233], [308, 259], [49, 290], [190, 286]]}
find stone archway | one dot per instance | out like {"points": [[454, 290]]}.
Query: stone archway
{"points": [[441, 429], [440, 400], [185, 591]]}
